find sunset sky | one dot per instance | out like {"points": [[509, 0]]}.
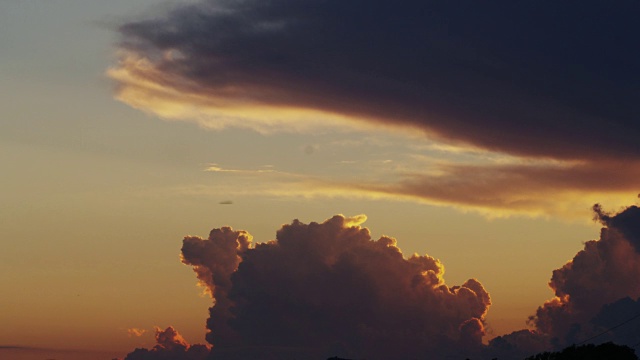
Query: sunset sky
{"points": [[480, 136]]}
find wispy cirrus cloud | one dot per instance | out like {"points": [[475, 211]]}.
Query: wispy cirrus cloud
{"points": [[216, 168]]}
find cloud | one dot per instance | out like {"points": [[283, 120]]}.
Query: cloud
{"points": [[483, 74], [135, 332], [170, 346], [216, 168], [498, 187], [605, 271], [518, 344], [214, 261], [593, 291], [478, 80], [622, 319], [625, 222], [325, 289], [538, 188]]}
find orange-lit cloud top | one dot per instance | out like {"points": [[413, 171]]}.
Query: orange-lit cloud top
{"points": [[322, 288], [489, 75]]}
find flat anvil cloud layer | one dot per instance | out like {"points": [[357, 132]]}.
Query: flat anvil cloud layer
{"points": [[322, 289], [536, 78]]}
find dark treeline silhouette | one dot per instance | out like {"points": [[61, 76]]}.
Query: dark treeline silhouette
{"points": [[606, 351]]}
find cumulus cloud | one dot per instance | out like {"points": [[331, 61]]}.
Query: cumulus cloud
{"points": [[605, 271], [622, 319], [484, 74], [324, 289], [170, 346], [594, 291], [627, 222], [214, 261], [518, 344]]}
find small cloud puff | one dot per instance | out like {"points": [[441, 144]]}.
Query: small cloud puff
{"points": [[135, 332]]}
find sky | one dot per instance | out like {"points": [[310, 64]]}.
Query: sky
{"points": [[476, 137]]}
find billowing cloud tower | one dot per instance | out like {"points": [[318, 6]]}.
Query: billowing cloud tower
{"points": [[596, 292], [323, 289]]}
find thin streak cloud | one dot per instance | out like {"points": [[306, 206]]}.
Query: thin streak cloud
{"points": [[321, 289], [497, 188]]}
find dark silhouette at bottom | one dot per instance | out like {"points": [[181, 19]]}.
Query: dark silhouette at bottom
{"points": [[606, 351]]}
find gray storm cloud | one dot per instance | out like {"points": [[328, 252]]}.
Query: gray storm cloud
{"points": [[326, 288]]}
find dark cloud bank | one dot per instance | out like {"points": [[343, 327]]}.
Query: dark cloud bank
{"points": [[538, 78], [325, 289], [535, 79]]}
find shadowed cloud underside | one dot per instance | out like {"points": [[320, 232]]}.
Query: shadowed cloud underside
{"points": [[545, 78]]}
